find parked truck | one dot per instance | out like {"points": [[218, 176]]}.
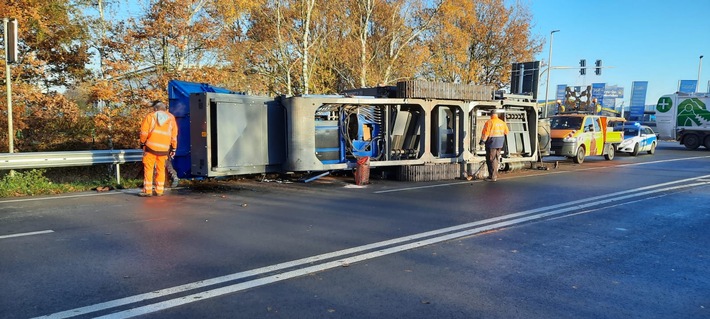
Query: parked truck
{"points": [[684, 117]]}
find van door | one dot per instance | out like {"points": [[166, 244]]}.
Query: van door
{"points": [[594, 135], [599, 135]]}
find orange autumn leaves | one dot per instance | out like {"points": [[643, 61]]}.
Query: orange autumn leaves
{"points": [[90, 72]]}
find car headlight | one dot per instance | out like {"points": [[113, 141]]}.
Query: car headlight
{"points": [[570, 138]]}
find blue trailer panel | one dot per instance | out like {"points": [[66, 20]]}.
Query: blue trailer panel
{"points": [[179, 105]]}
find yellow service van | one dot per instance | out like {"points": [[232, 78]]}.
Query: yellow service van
{"points": [[578, 135]]}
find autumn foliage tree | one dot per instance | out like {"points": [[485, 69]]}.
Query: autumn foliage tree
{"points": [[52, 55], [89, 74], [173, 40], [475, 42]]}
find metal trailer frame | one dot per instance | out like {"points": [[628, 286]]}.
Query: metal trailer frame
{"points": [[426, 138]]}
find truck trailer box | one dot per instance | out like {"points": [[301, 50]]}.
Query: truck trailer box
{"points": [[685, 118]]}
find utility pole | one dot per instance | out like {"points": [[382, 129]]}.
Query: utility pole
{"points": [[549, 69], [700, 68], [10, 37]]}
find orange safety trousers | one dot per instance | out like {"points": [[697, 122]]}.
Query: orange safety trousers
{"points": [[153, 164]]}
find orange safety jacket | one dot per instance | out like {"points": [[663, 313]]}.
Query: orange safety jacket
{"points": [[159, 133], [494, 127], [494, 132]]}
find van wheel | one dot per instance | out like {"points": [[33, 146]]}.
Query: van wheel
{"points": [[691, 141], [636, 150], [579, 158], [610, 152], [653, 149]]}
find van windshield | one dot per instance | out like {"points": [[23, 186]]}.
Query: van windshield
{"points": [[566, 122]]}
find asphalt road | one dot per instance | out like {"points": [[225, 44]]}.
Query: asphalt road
{"points": [[605, 239]]}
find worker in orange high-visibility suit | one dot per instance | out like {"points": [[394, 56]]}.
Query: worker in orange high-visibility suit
{"points": [[159, 140], [493, 136]]}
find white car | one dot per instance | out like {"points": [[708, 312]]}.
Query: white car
{"points": [[638, 138]]}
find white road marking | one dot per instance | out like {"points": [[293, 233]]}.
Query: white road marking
{"points": [[27, 234], [338, 263], [609, 206], [419, 187], [664, 161], [56, 197], [540, 174], [367, 252]]}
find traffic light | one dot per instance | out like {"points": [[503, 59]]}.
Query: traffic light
{"points": [[598, 69], [11, 47], [582, 67]]}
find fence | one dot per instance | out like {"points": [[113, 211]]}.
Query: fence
{"points": [[10, 161]]}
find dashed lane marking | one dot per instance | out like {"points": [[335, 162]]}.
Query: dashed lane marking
{"points": [[27, 234]]}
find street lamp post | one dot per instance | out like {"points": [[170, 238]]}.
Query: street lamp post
{"points": [[700, 68], [549, 69]]}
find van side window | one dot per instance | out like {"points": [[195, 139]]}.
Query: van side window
{"points": [[589, 124], [597, 124]]}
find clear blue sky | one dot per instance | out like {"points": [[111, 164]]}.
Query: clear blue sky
{"points": [[659, 41]]}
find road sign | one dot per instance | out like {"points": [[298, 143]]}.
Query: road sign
{"points": [[687, 86], [524, 77], [638, 99]]}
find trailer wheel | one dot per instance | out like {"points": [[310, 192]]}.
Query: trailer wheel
{"points": [[691, 141], [579, 158], [610, 152]]}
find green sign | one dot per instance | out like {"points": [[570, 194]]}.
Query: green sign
{"points": [[664, 104], [692, 112]]}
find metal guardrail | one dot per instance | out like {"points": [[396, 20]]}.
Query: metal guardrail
{"points": [[68, 158], [10, 161]]}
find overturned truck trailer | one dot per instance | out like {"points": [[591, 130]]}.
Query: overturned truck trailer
{"points": [[419, 130]]}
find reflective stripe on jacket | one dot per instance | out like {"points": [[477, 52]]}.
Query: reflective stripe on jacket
{"points": [[494, 132], [159, 132], [494, 127]]}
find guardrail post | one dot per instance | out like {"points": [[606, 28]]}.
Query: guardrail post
{"points": [[118, 174]]}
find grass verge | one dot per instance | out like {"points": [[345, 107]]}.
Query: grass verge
{"points": [[61, 180]]}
